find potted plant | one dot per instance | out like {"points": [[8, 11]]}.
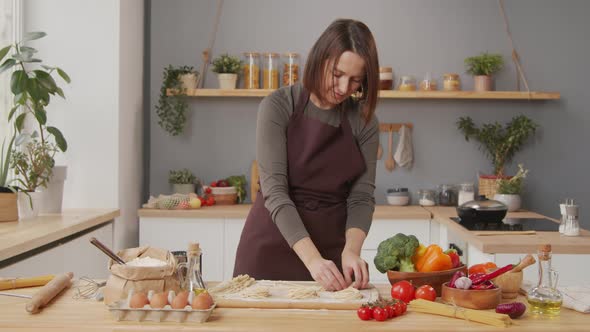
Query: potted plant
{"points": [[227, 68], [8, 196], [182, 181], [171, 109], [32, 87], [499, 143], [509, 190], [482, 67]]}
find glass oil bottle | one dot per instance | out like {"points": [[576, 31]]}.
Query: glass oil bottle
{"points": [[193, 280], [545, 299]]}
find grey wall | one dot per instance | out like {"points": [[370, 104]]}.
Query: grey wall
{"points": [[413, 37]]}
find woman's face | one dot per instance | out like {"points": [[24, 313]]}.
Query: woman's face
{"points": [[345, 78]]}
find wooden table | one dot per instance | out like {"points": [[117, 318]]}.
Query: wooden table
{"points": [[68, 315]]}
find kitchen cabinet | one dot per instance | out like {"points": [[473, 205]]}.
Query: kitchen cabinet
{"points": [[231, 239]]}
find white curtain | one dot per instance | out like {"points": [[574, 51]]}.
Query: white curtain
{"points": [[7, 23]]}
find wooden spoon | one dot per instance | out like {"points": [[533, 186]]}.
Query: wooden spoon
{"points": [[390, 163], [379, 152]]}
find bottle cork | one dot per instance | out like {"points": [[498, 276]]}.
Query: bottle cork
{"points": [[544, 252], [194, 249]]}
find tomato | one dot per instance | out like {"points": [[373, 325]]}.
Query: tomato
{"points": [[426, 292], [210, 201], [364, 313], [398, 308], [208, 190], [482, 268], [403, 290], [380, 314], [390, 311], [404, 306], [213, 184]]}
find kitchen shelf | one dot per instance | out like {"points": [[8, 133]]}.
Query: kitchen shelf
{"points": [[390, 94]]}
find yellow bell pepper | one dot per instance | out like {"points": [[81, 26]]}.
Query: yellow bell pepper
{"points": [[418, 253]]}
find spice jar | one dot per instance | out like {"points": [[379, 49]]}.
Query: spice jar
{"points": [[447, 195], [290, 68], [466, 193], [428, 84], [385, 78], [251, 70], [270, 71], [427, 197], [407, 83], [451, 82], [398, 196]]}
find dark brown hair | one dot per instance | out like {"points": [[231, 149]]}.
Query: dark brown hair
{"points": [[341, 36]]}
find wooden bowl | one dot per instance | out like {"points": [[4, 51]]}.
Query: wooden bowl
{"points": [[470, 298], [225, 199], [509, 283], [434, 279]]}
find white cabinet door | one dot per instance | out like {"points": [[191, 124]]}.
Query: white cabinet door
{"points": [[176, 233], [374, 275], [233, 231], [573, 269]]}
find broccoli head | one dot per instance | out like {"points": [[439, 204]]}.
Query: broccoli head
{"points": [[396, 253]]}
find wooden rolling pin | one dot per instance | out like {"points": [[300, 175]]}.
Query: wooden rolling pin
{"points": [[48, 292], [526, 261], [25, 282]]}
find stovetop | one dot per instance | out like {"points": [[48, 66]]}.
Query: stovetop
{"points": [[512, 224]]}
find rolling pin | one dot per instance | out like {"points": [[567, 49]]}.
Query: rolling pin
{"points": [[25, 282], [48, 292]]}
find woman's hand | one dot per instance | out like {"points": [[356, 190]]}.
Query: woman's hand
{"points": [[354, 265], [326, 273]]}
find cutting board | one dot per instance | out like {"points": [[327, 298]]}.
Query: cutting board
{"points": [[279, 299]]}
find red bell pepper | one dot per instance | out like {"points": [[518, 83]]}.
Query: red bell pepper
{"points": [[455, 259]]}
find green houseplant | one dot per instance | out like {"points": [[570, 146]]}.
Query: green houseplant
{"points": [[33, 86], [182, 180], [482, 67], [509, 189], [499, 143], [227, 68], [171, 109]]}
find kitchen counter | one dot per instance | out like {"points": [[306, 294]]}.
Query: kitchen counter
{"points": [[513, 243], [19, 237], [68, 315]]}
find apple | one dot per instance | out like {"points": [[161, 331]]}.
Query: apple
{"points": [[195, 203]]}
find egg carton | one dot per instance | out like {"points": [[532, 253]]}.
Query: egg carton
{"points": [[121, 311]]}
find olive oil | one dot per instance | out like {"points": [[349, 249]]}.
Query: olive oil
{"points": [[545, 299], [544, 307]]}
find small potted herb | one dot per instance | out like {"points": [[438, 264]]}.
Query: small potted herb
{"points": [[227, 68], [182, 181], [509, 190], [482, 67]]}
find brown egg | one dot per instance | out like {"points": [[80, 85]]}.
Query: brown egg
{"points": [[159, 300], [180, 301], [202, 301], [138, 300]]}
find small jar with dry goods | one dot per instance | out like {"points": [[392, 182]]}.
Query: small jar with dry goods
{"points": [[385, 78], [270, 71], [251, 70], [290, 68], [451, 82], [407, 83]]}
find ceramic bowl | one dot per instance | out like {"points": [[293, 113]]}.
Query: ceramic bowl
{"points": [[470, 298], [434, 279]]}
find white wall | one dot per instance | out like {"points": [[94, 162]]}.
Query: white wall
{"points": [[99, 43]]}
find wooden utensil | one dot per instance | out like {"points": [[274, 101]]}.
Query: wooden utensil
{"points": [[25, 282], [471, 298], [528, 260], [379, 152], [48, 292], [390, 163], [254, 177], [107, 251]]}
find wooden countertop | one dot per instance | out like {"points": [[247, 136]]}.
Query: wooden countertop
{"points": [[18, 237], [498, 244], [241, 211], [68, 315]]}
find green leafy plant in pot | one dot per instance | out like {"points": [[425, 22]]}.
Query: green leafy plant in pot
{"points": [[500, 143], [509, 189], [33, 86], [227, 68], [183, 181], [171, 108], [482, 67]]}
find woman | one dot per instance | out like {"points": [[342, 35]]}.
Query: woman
{"points": [[316, 149]]}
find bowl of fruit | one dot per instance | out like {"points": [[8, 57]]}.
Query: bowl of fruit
{"points": [[223, 192]]}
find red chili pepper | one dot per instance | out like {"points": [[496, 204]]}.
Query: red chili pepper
{"points": [[484, 285], [479, 279], [456, 276]]}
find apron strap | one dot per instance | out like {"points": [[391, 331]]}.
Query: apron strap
{"points": [[301, 102]]}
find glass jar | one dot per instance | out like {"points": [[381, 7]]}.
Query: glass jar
{"points": [[428, 83], [451, 82], [251, 70], [290, 68], [426, 197], [385, 78], [398, 196], [545, 299], [447, 195], [466, 193], [407, 83], [270, 71]]}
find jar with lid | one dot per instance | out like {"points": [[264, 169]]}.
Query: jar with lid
{"points": [[428, 83], [426, 197], [407, 83], [451, 82], [290, 68], [385, 78], [398, 196], [466, 193], [270, 71], [447, 195], [251, 70]]}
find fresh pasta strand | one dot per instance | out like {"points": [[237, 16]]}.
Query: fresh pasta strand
{"points": [[232, 286], [349, 293], [258, 292]]}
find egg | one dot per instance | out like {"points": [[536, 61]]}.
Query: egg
{"points": [[138, 300], [159, 300], [202, 301], [180, 301]]}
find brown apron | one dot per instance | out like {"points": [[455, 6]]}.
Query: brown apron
{"points": [[323, 162]]}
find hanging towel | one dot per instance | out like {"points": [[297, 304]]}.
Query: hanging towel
{"points": [[404, 154]]}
